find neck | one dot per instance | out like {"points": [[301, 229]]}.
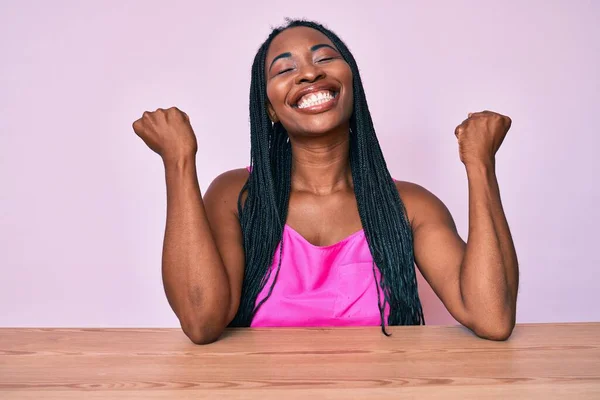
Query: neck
{"points": [[321, 165]]}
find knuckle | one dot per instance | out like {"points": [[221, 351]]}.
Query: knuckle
{"points": [[177, 111]]}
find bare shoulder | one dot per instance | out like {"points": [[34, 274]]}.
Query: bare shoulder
{"points": [[224, 190], [421, 205]]}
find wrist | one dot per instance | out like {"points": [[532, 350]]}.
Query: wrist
{"points": [[481, 166], [482, 172], [180, 168], [180, 162]]}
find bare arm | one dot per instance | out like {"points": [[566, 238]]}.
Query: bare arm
{"points": [[202, 272], [194, 276], [490, 272], [477, 281]]}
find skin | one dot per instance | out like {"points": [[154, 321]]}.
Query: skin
{"points": [[203, 259]]}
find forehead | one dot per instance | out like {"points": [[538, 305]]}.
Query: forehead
{"points": [[296, 39]]}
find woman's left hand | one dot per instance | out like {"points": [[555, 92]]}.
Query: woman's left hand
{"points": [[480, 137]]}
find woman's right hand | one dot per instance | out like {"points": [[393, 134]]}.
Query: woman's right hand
{"points": [[168, 133]]}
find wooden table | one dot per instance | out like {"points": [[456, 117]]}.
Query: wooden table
{"points": [[543, 361]]}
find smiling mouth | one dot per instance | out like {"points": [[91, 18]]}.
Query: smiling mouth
{"points": [[315, 99]]}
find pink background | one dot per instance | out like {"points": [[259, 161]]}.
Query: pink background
{"points": [[82, 200]]}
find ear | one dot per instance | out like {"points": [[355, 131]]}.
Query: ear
{"points": [[271, 113]]}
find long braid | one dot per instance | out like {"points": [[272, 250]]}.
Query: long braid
{"points": [[381, 210], [260, 216]]}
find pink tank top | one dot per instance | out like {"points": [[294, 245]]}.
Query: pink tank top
{"points": [[321, 285]]}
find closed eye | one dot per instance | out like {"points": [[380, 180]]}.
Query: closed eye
{"points": [[322, 59]]}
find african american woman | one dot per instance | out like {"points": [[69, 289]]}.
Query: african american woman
{"points": [[315, 231]]}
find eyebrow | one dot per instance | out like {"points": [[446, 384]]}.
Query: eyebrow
{"points": [[288, 54]]}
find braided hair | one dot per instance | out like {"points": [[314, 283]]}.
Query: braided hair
{"points": [[264, 213]]}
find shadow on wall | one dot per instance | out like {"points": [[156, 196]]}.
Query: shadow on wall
{"points": [[434, 310]]}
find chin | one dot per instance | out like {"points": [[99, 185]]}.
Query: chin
{"points": [[317, 130], [318, 127]]}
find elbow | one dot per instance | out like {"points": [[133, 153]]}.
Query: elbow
{"points": [[203, 321], [500, 333], [203, 330], [498, 329], [202, 336]]}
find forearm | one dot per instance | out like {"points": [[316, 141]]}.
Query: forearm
{"points": [[489, 272], [194, 277]]}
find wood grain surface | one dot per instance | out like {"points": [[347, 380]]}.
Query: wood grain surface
{"points": [[539, 361]]}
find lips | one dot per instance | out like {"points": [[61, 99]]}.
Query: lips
{"points": [[314, 89]]}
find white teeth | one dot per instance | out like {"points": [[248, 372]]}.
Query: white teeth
{"points": [[314, 99]]}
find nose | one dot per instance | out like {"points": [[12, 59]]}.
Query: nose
{"points": [[309, 72]]}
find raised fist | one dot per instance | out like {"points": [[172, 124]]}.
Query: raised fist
{"points": [[167, 132]]}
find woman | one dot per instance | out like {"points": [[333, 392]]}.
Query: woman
{"points": [[316, 232]]}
